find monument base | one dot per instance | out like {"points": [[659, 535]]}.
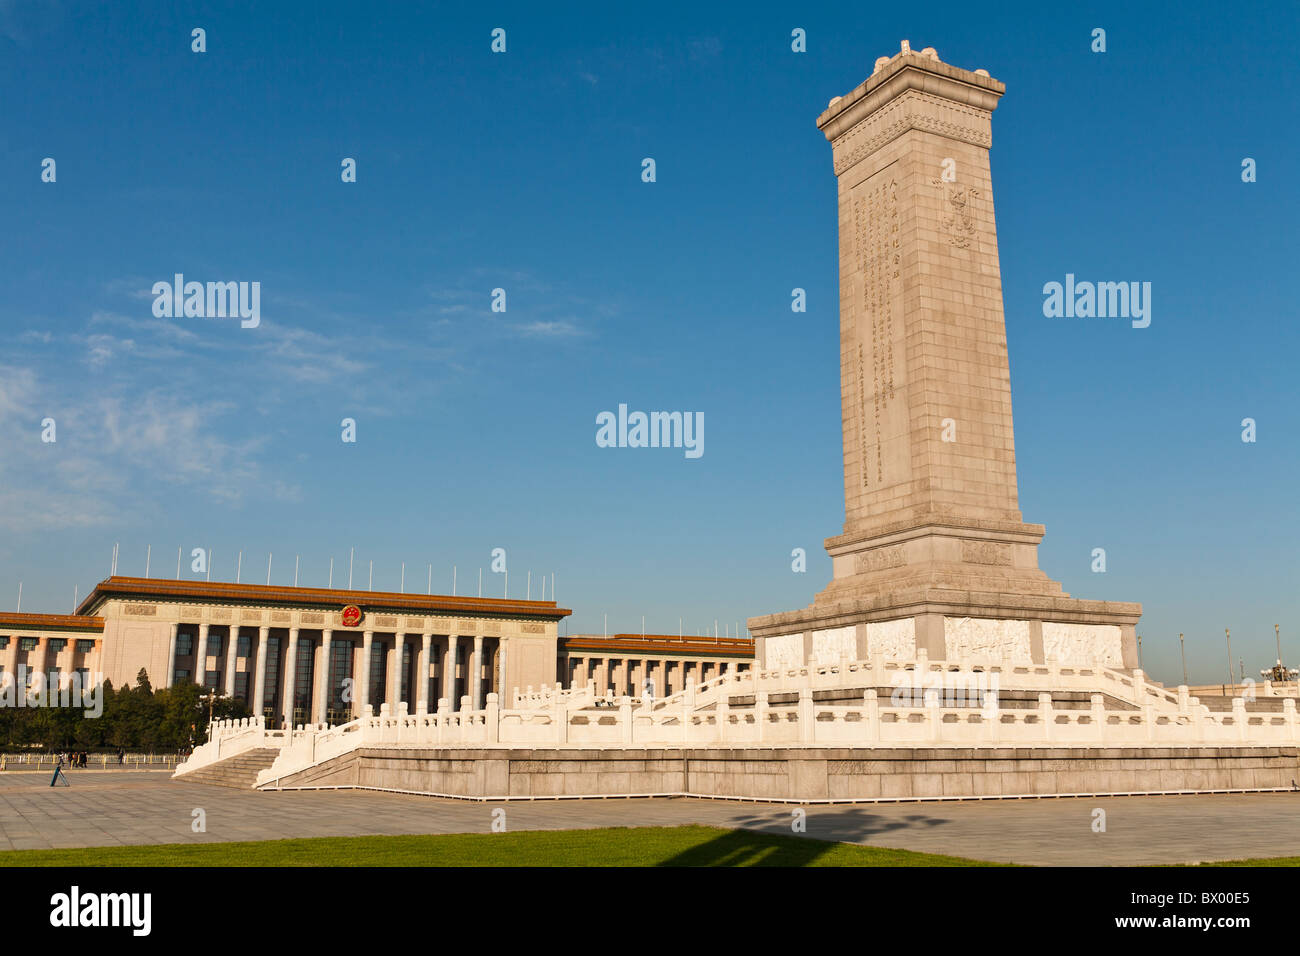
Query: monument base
{"points": [[951, 625]]}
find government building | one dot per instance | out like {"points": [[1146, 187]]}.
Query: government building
{"points": [[314, 655]]}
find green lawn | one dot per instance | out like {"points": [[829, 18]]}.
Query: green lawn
{"points": [[1259, 861], [639, 846]]}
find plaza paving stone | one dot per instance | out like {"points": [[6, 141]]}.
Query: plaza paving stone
{"points": [[147, 807]]}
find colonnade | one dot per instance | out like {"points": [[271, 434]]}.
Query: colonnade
{"points": [[627, 674], [343, 682]]}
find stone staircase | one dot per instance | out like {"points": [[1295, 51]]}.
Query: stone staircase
{"points": [[239, 771]]}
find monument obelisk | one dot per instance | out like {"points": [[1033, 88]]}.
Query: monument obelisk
{"points": [[935, 553]]}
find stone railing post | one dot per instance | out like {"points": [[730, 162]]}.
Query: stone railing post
{"points": [[1097, 713], [443, 715], [724, 718], [1139, 688], [991, 715], [871, 714], [686, 709], [561, 712], [1149, 718], [625, 718], [1184, 698], [807, 717], [933, 714], [466, 716], [1045, 716], [492, 718], [760, 713], [1239, 717], [1289, 714]]}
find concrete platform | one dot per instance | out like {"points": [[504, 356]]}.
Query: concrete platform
{"points": [[149, 808]]}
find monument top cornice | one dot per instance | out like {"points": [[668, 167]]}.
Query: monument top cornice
{"points": [[904, 71]]}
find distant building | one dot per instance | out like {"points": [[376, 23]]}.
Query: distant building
{"points": [[312, 655], [620, 664]]}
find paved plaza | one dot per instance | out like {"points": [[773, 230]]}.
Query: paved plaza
{"points": [[116, 808]]}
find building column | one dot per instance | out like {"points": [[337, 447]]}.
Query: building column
{"points": [[395, 673], [449, 671], [11, 661], [232, 642], [322, 681], [422, 673], [43, 661], [363, 695], [291, 677], [201, 657], [476, 676], [169, 678], [259, 682]]}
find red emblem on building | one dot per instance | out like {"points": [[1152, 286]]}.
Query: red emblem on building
{"points": [[351, 616]]}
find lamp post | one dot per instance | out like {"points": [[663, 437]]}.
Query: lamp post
{"points": [[1182, 647], [211, 699], [1228, 635]]}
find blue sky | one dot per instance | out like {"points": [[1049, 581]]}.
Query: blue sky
{"points": [[522, 171]]}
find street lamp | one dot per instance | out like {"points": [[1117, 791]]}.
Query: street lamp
{"points": [[1182, 647]]}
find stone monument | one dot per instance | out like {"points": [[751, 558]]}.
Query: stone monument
{"points": [[935, 554]]}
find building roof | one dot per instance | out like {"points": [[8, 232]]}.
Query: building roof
{"points": [[50, 622], [206, 592], [659, 643]]}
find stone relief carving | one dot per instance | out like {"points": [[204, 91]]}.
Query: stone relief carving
{"points": [[1082, 643], [785, 650], [912, 110], [879, 559], [959, 223], [893, 639], [987, 638], [985, 552], [833, 643]]}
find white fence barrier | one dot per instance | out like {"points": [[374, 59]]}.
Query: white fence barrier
{"points": [[925, 703]]}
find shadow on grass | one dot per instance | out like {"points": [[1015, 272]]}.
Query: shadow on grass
{"points": [[853, 824], [752, 848]]}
